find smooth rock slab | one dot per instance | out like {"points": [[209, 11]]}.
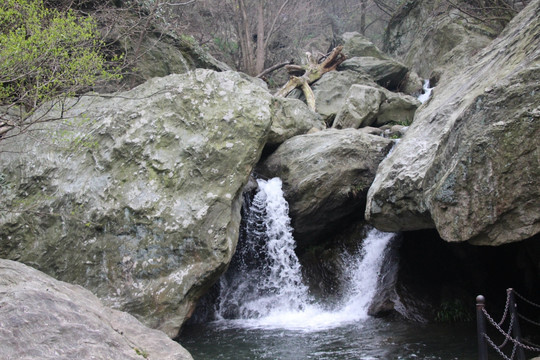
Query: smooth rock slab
{"points": [[361, 107], [42, 318], [357, 45]]}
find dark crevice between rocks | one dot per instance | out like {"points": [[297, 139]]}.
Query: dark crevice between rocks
{"points": [[439, 281]]}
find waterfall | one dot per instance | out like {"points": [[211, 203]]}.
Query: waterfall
{"points": [[427, 92], [268, 276], [264, 286]]}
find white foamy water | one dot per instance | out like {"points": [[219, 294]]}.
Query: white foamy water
{"points": [[427, 92], [273, 296]]}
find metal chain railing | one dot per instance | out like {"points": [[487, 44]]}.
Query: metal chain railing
{"points": [[506, 307], [529, 320], [498, 350], [525, 299], [509, 329], [507, 335], [513, 334]]}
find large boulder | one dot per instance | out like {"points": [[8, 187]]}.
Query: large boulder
{"points": [[42, 318], [367, 105], [160, 52], [357, 45], [136, 196], [291, 117], [386, 72], [426, 35], [326, 176], [331, 91], [364, 56], [470, 163], [361, 107]]}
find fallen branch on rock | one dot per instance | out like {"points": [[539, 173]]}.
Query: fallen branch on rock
{"points": [[302, 76], [274, 68]]}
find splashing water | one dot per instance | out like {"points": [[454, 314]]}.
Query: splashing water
{"points": [[273, 280], [267, 291], [427, 92]]}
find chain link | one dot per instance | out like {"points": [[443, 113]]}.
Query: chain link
{"points": [[509, 329], [530, 343], [496, 348], [507, 336], [505, 308], [525, 299], [529, 320]]}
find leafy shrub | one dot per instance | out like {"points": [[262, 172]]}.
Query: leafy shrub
{"points": [[45, 55], [451, 311]]}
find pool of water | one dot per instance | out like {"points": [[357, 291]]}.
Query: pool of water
{"points": [[364, 339]]}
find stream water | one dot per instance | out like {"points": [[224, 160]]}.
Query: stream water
{"points": [[264, 309], [426, 94]]}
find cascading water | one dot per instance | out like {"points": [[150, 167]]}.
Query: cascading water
{"points": [[266, 289], [264, 310], [268, 277], [426, 92]]}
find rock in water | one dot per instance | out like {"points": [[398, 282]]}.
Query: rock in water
{"points": [[43, 318], [470, 163], [136, 196]]}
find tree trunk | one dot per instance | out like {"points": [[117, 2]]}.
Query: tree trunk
{"points": [[363, 17], [260, 54], [244, 34]]}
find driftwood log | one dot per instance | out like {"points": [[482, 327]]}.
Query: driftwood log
{"points": [[302, 76]]}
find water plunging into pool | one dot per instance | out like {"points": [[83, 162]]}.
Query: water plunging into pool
{"points": [[264, 309], [270, 292]]}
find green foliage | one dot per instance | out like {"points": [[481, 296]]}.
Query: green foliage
{"points": [[451, 311], [45, 54]]}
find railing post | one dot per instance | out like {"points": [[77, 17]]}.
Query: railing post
{"points": [[481, 328], [515, 327]]}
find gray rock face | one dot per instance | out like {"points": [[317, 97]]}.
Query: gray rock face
{"points": [[470, 163], [412, 84], [357, 45], [137, 196], [326, 175], [372, 105], [42, 318], [331, 91], [160, 52], [291, 117], [361, 107], [425, 42], [386, 72]]}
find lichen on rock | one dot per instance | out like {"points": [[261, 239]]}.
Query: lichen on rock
{"points": [[144, 210]]}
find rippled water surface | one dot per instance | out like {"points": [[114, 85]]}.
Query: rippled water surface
{"points": [[366, 340]]}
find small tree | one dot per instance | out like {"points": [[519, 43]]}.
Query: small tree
{"points": [[45, 56]]}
